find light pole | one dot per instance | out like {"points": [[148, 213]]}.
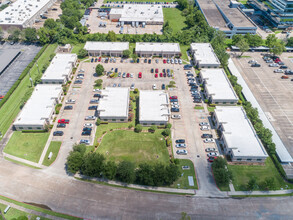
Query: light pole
{"points": [[38, 68], [29, 73]]}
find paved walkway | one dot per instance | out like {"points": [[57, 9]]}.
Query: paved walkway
{"points": [[263, 193], [23, 160]]}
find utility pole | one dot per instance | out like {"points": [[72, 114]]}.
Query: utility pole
{"points": [[38, 68], [32, 85]]}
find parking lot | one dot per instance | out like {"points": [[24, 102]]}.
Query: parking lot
{"points": [[274, 94]]}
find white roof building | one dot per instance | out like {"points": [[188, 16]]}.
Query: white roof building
{"points": [[153, 107], [114, 104], [204, 55], [239, 137], [218, 87], [157, 49], [97, 48], [59, 69], [39, 108]]}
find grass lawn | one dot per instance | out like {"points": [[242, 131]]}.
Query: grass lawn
{"points": [[183, 180], [242, 174], [184, 56], [198, 107], [28, 146], [175, 19], [77, 47], [21, 163], [211, 109], [135, 147], [131, 48], [11, 108], [54, 148]]}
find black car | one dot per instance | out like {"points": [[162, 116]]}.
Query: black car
{"points": [[97, 95], [150, 61], [68, 107], [152, 70], [93, 107], [96, 59], [78, 82], [173, 100], [187, 67], [163, 86], [61, 125], [87, 129], [58, 133], [180, 141], [197, 100], [164, 70], [189, 74], [283, 67], [86, 133], [145, 60], [175, 110], [116, 70], [207, 136], [92, 60], [255, 65], [137, 60], [193, 84]]}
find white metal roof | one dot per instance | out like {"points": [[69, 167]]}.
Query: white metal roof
{"points": [[60, 67], [40, 105], [218, 85], [153, 105], [20, 11], [140, 13], [115, 102], [106, 46], [204, 53], [158, 47], [238, 132]]}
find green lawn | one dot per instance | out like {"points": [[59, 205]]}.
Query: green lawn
{"points": [[135, 147], [198, 107], [54, 148], [21, 163], [175, 19], [183, 180], [242, 174], [77, 47], [11, 108], [211, 109], [184, 56], [28, 146]]}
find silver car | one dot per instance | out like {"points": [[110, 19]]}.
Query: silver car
{"points": [[180, 145], [181, 152]]}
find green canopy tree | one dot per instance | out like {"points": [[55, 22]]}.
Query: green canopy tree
{"points": [[100, 69], [243, 46]]}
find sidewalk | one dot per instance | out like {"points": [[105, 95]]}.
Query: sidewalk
{"points": [[23, 160], [263, 193]]}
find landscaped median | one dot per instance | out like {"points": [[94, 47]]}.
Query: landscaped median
{"points": [[54, 148]]}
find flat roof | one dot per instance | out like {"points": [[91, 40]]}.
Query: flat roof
{"points": [[115, 102], [218, 85], [140, 12], [60, 67], [106, 46], [238, 132], [18, 12], [153, 105], [40, 105], [204, 53], [6, 55], [160, 47]]}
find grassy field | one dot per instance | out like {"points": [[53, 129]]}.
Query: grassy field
{"points": [[77, 47], [184, 49], [28, 146], [199, 107], [175, 19], [211, 109], [54, 148], [135, 147], [243, 173], [12, 107], [183, 180], [21, 163]]}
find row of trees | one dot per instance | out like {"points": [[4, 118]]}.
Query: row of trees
{"points": [[15, 34], [221, 173], [95, 165]]}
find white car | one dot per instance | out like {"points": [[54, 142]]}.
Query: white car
{"points": [[97, 90], [175, 106], [211, 149], [251, 61], [278, 71], [131, 75], [183, 152], [213, 154], [154, 87], [88, 125], [91, 117], [179, 61], [204, 124], [83, 141], [205, 128], [180, 145], [209, 140], [70, 101], [273, 65], [269, 61], [79, 77], [176, 116], [81, 71]]}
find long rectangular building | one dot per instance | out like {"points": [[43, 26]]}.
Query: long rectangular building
{"points": [[114, 105], [157, 49], [60, 69], [204, 55], [39, 109], [237, 135], [217, 87], [96, 48], [153, 107]]}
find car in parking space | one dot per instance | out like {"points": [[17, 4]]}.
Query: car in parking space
{"points": [[70, 101], [68, 107], [79, 77], [165, 74], [152, 70], [281, 63], [86, 133], [176, 116], [119, 74], [251, 61], [173, 97], [124, 75], [97, 95], [161, 74], [150, 61], [255, 65], [278, 71], [209, 140], [211, 159], [83, 141], [93, 107], [156, 75], [131, 75], [97, 90], [127, 75], [59, 125], [92, 60], [114, 85], [176, 61], [181, 152], [269, 61], [180, 145], [197, 100], [205, 128], [87, 129], [116, 70], [204, 124], [119, 85], [157, 61], [139, 75], [207, 136], [94, 101], [89, 125], [179, 61], [273, 65], [168, 61], [174, 100], [175, 105], [81, 71], [284, 77], [210, 149], [288, 72], [145, 60], [63, 121], [172, 61], [137, 60], [90, 117], [164, 61], [58, 133], [213, 154], [154, 87], [78, 82], [132, 86], [180, 141], [283, 67], [175, 109]]}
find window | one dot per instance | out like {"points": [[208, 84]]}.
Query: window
{"points": [[239, 159], [39, 128], [249, 159], [121, 119], [153, 123], [258, 159], [105, 119], [232, 103], [30, 128], [20, 127], [113, 119], [216, 102], [224, 102], [162, 124]]}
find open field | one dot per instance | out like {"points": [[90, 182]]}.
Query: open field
{"points": [[77, 47], [54, 148], [175, 19], [28, 146], [135, 147]]}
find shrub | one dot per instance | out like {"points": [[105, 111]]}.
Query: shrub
{"points": [[100, 69], [212, 105], [98, 122], [82, 53], [206, 101], [138, 128], [135, 90], [99, 82], [166, 132], [130, 126], [169, 125], [153, 128]]}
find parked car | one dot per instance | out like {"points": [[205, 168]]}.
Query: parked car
{"points": [[58, 133], [273, 65], [173, 100], [211, 159], [94, 101], [173, 97], [152, 70], [278, 71], [255, 65], [139, 75], [176, 116], [87, 129], [93, 107], [213, 154], [204, 124], [83, 141], [132, 86], [124, 75], [209, 140], [163, 86], [207, 136], [252, 61], [156, 75], [211, 149], [68, 107], [86, 133], [154, 87], [91, 117], [150, 61], [285, 77], [63, 121], [175, 109], [90, 125], [59, 125], [205, 128], [180, 145], [97, 95], [180, 141], [181, 152], [78, 82], [70, 101], [175, 105], [283, 67]]}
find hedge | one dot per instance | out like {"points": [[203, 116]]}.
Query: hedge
{"points": [[34, 131]]}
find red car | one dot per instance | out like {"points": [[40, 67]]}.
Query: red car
{"points": [[211, 159], [156, 75], [99, 59], [139, 75], [161, 74], [63, 121], [164, 61], [157, 70], [1, 97], [277, 60], [127, 75], [173, 97]]}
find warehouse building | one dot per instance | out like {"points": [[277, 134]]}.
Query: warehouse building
{"points": [[217, 87], [158, 49], [60, 69], [39, 109], [115, 49], [114, 105], [23, 13], [237, 135], [138, 14], [153, 107], [204, 55]]}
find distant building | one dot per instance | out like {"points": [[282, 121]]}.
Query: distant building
{"points": [[153, 107], [217, 87], [65, 48], [114, 104], [237, 135], [39, 109], [204, 55], [96, 48], [60, 69], [157, 49]]}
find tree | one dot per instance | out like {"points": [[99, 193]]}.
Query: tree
{"points": [[252, 185], [82, 53], [134, 56], [81, 148], [50, 23], [135, 90], [74, 161], [138, 128], [30, 34], [110, 170], [222, 176], [269, 183], [144, 174], [278, 48], [238, 89], [15, 34], [160, 174], [290, 42], [111, 36], [254, 40], [93, 164], [166, 132], [271, 40], [184, 216], [172, 173], [126, 53], [98, 122], [1, 34], [169, 125], [100, 69], [243, 46], [125, 172], [98, 82], [236, 38], [219, 163]]}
